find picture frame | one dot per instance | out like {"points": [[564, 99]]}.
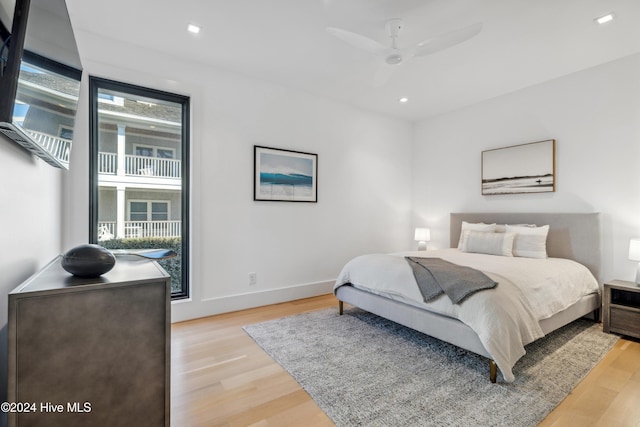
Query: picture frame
{"points": [[523, 168], [284, 175]]}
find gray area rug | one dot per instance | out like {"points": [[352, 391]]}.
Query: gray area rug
{"points": [[363, 370]]}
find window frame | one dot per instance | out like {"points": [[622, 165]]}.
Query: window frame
{"points": [[154, 151], [98, 83], [62, 129], [149, 204]]}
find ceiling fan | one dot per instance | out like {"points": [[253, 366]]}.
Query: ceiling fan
{"points": [[392, 54]]}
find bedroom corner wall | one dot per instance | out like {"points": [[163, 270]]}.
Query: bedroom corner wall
{"points": [[31, 217], [594, 115], [295, 249]]}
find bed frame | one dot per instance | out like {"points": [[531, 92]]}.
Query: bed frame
{"points": [[571, 235]]}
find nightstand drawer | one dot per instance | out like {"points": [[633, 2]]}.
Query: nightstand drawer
{"points": [[625, 320]]}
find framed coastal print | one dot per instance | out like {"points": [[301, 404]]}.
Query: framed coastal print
{"points": [[525, 168], [284, 175]]}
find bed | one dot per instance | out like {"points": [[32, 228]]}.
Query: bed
{"points": [[572, 244]]}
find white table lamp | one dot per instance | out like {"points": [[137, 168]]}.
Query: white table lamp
{"points": [[422, 236], [634, 255]]}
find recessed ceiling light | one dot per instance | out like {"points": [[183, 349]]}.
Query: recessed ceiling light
{"points": [[193, 29], [605, 18], [403, 99]]}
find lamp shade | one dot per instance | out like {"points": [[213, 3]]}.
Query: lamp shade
{"points": [[424, 235], [634, 249]]}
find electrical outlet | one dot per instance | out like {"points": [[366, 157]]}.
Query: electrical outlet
{"points": [[252, 278]]}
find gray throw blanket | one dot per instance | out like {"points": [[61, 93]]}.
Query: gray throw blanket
{"points": [[436, 276]]}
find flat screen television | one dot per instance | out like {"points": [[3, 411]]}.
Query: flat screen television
{"points": [[40, 73]]}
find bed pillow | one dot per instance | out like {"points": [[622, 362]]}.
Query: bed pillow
{"points": [[483, 242], [530, 242], [480, 226]]}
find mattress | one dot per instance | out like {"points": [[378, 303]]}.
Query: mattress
{"points": [[505, 318]]}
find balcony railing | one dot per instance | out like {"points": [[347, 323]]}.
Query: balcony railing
{"points": [[140, 166], [107, 163], [152, 166], [107, 230], [58, 147]]}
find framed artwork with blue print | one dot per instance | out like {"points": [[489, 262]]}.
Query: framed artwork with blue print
{"points": [[284, 175]]}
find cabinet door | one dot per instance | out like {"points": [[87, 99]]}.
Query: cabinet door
{"points": [[103, 351]]}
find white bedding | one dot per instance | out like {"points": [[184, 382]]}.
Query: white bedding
{"points": [[505, 318]]}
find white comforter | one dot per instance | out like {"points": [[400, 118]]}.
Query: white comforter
{"points": [[505, 318]]}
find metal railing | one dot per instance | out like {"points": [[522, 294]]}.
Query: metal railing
{"points": [[107, 230]]}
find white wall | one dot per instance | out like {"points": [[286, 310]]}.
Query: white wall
{"points": [[296, 249], [30, 218], [594, 115]]}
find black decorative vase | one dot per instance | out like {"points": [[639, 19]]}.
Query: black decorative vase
{"points": [[88, 260]]}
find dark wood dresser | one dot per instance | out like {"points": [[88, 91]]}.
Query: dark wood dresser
{"points": [[90, 352]]}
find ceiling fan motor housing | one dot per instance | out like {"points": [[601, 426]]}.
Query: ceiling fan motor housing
{"points": [[393, 59], [393, 27]]}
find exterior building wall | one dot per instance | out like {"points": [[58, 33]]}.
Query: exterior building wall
{"points": [[173, 197], [136, 178], [107, 205], [150, 141], [108, 141], [47, 122]]}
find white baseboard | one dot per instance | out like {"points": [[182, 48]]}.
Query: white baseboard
{"points": [[189, 309]]}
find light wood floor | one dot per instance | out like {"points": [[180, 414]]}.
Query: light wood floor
{"points": [[221, 377]]}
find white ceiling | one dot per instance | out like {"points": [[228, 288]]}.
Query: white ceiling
{"points": [[522, 43]]}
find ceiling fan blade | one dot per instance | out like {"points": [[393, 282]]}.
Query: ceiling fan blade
{"points": [[446, 40], [359, 41]]}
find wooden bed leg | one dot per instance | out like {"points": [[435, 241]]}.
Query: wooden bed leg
{"points": [[340, 307], [493, 371], [597, 315]]}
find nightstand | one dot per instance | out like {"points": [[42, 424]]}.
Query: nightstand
{"points": [[621, 308]]}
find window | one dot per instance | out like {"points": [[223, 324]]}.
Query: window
{"points": [[148, 210], [66, 133], [139, 172], [159, 211], [162, 153], [108, 98]]}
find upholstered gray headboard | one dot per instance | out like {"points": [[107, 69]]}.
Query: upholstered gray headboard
{"points": [[571, 235]]}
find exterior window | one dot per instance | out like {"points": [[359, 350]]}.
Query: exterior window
{"points": [[139, 172], [162, 153], [108, 98], [159, 211], [144, 151], [144, 211], [66, 133], [138, 211]]}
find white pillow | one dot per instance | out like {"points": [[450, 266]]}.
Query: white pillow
{"points": [[488, 243], [530, 242], [481, 226]]}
